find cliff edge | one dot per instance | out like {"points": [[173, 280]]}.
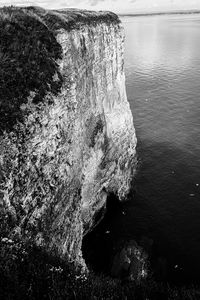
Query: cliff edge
{"points": [[66, 132]]}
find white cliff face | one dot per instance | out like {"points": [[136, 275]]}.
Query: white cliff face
{"points": [[77, 145]]}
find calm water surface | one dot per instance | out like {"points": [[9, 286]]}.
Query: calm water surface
{"points": [[162, 63]]}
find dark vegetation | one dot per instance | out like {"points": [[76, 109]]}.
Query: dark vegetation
{"points": [[28, 273], [28, 54]]}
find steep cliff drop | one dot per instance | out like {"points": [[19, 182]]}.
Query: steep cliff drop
{"points": [[66, 134]]}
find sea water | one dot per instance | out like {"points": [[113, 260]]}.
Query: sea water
{"points": [[162, 65]]}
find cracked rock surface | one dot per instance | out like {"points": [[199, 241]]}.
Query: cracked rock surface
{"points": [[67, 138]]}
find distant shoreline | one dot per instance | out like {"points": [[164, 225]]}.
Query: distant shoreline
{"points": [[161, 13]]}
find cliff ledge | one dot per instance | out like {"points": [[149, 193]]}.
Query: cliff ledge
{"points": [[66, 134]]}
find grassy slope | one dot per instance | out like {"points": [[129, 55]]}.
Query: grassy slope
{"points": [[28, 273]]}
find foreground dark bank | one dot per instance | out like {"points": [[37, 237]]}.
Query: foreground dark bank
{"points": [[27, 272]]}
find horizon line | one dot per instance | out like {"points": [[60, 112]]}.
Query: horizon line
{"points": [[193, 11]]}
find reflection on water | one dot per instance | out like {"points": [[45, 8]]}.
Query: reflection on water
{"points": [[162, 60], [163, 86]]}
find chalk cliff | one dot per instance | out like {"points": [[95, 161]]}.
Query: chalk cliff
{"points": [[66, 134]]}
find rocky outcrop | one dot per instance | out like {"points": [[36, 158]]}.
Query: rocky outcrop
{"points": [[66, 134], [130, 262]]}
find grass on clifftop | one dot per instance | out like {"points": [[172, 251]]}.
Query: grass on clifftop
{"points": [[29, 53]]}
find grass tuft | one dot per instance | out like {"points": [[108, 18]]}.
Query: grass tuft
{"points": [[27, 272]]}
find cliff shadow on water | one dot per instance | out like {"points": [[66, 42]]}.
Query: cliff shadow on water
{"points": [[159, 222]]}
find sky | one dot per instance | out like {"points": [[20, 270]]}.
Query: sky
{"points": [[118, 6]]}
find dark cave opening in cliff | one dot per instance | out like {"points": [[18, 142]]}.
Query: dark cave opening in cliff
{"points": [[97, 246], [120, 225]]}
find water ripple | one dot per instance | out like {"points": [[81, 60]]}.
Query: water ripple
{"points": [[163, 75]]}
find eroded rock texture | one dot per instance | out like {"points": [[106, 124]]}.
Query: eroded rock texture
{"points": [[66, 133]]}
